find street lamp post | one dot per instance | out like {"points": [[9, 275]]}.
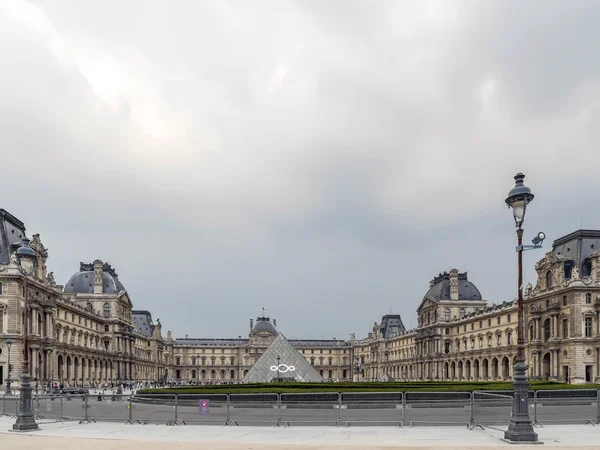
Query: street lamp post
{"points": [[521, 427], [8, 380], [278, 359], [25, 418]]}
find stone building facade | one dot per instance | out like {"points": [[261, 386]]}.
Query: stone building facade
{"points": [[460, 337], [88, 333], [229, 360]]}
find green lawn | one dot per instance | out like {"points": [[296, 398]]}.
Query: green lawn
{"points": [[434, 386]]}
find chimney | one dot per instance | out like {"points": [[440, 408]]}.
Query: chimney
{"points": [[454, 284], [274, 322], [98, 288], [251, 324]]}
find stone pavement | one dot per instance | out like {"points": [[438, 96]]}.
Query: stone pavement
{"points": [[112, 436]]}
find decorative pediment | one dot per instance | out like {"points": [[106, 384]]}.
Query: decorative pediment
{"points": [[548, 261], [589, 314], [426, 303]]}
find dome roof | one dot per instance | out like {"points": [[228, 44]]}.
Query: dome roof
{"points": [[440, 288], [264, 324], [83, 281]]}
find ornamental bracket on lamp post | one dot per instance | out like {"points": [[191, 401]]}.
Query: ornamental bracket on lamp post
{"points": [[521, 427]]}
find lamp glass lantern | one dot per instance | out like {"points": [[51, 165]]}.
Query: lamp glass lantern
{"points": [[518, 199]]}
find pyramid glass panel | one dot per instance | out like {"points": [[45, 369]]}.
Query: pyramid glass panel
{"points": [[291, 366]]}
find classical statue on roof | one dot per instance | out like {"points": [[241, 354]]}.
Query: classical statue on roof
{"points": [[50, 279]]}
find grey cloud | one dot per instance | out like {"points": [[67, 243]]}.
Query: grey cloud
{"points": [[320, 159]]}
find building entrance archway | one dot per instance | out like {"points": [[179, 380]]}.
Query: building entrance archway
{"points": [[546, 366]]}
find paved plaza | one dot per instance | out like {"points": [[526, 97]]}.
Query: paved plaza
{"points": [[108, 436]]}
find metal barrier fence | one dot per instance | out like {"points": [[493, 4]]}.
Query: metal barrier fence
{"points": [[474, 409]]}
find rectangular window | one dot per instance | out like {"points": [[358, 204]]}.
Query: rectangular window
{"points": [[489, 322], [472, 326], [508, 317], [1, 321], [106, 328], [565, 300], [498, 320], [588, 327], [481, 324], [565, 328]]}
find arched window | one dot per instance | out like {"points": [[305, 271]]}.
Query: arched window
{"points": [[90, 307], [107, 310], [548, 280], [462, 313], [193, 374], [531, 333], [312, 361], [222, 374], [547, 330]]}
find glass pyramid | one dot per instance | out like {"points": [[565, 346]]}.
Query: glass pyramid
{"points": [[292, 366]]}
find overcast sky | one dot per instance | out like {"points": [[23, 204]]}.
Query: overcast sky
{"points": [[321, 159]]}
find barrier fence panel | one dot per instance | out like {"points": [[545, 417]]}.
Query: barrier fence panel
{"points": [[311, 408], [372, 408], [202, 408], [74, 407], [247, 409], [47, 407], [108, 407], [491, 408], [426, 408], [153, 408], [11, 405], [4, 412], [567, 406]]}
